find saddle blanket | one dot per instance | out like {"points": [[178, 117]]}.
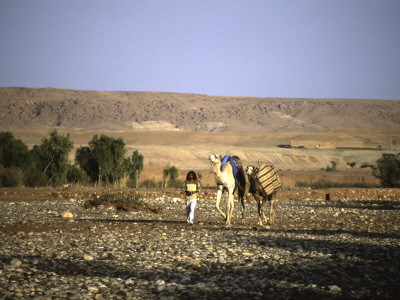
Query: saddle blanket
{"points": [[268, 178], [235, 169]]}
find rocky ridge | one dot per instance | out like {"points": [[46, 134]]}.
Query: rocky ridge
{"points": [[92, 110]]}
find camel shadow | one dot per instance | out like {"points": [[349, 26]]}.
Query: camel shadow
{"points": [[356, 204]]}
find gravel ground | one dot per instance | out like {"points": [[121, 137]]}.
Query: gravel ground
{"points": [[346, 247]]}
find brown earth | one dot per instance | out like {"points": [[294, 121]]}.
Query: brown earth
{"points": [[190, 151], [378, 198], [91, 110], [348, 248], [299, 136], [342, 195]]}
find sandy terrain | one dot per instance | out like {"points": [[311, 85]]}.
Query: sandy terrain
{"points": [[182, 130], [190, 150]]}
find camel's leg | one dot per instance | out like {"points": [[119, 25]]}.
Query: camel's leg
{"points": [[262, 213], [272, 211], [243, 208], [258, 199], [230, 207], [219, 194]]}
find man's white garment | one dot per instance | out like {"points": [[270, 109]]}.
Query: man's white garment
{"points": [[190, 206]]}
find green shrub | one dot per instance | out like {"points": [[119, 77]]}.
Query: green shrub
{"points": [[388, 171], [169, 175], [10, 176], [331, 168], [104, 160], [13, 152], [137, 167], [75, 175], [51, 159], [352, 164], [35, 178]]}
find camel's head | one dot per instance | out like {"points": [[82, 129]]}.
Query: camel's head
{"points": [[214, 159], [250, 170]]}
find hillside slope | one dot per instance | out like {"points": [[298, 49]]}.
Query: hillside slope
{"points": [[91, 110]]}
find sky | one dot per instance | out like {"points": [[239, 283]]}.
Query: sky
{"points": [[259, 48]]}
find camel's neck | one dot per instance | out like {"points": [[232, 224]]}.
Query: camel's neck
{"points": [[217, 169], [252, 177], [224, 177], [254, 183]]}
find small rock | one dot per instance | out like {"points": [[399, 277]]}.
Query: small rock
{"points": [[93, 289], [335, 289], [87, 257], [16, 263], [160, 285], [129, 281], [194, 261], [67, 215]]}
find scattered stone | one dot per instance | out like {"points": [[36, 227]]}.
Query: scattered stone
{"points": [[311, 251], [87, 257], [16, 263], [335, 289], [67, 215]]}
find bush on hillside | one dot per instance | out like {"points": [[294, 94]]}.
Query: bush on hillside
{"points": [[388, 171]]}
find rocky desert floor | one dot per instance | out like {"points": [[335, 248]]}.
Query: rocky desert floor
{"points": [[52, 247]]}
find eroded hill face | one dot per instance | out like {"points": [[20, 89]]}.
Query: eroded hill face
{"points": [[91, 110], [184, 129]]}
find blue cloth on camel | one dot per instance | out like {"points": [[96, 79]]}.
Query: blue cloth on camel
{"points": [[235, 168]]}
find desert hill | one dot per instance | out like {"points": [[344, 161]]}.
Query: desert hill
{"points": [[91, 110], [296, 135]]}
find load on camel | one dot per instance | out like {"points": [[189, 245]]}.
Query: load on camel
{"points": [[230, 176], [264, 184]]}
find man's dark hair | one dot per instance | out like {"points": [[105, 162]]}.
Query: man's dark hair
{"points": [[193, 173]]}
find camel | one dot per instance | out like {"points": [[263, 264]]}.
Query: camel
{"points": [[226, 181], [264, 193]]}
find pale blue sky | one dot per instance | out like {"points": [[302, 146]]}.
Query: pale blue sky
{"points": [[299, 49]]}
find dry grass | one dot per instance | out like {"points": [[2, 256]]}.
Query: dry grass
{"points": [[122, 202], [190, 150]]}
